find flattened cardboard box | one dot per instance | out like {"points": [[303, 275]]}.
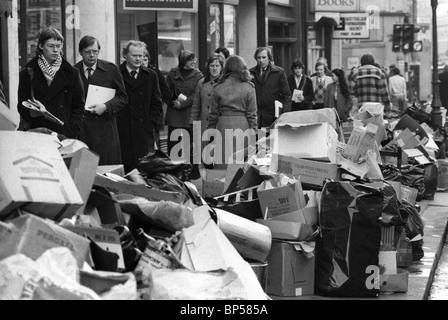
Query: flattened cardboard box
{"points": [[290, 272], [310, 172], [34, 176], [7, 122], [34, 236]]}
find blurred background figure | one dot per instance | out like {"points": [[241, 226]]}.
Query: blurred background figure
{"points": [[320, 83], [398, 91], [223, 52], [204, 94], [338, 95], [299, 81]]}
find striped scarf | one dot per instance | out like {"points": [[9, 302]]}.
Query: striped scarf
{"points": [[48, 70]]}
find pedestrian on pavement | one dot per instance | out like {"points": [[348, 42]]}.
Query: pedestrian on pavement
{"points": [[223, 52], [164, 90], [444, 87], [369, 84], [2, 95], [100, 132], [320, 84], [204, 94], [338, 95], [182, 81], [234, 107], [299, 81], [51, 80], [398, 91], [141, 117], [271, 84]]}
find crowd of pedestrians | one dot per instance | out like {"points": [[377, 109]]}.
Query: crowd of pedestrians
{"points": [[228, 96]]}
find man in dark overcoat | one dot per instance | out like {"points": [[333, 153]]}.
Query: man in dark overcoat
{"points": [[139, 120], [100, 131]]}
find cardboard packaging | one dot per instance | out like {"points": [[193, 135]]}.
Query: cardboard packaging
{"points": [[310, 172], [213, 183], [361, 140], [34, 236], [34, 177], [442, 181], [397, 283], [323, 116], [307, 141], [409, 194], [290, 271], [7, 122], [106, 239], [117, 170], [277, 199]]}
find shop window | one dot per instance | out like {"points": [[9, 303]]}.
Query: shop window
{"points": [[222, 28], [166, 33], [34, 16]]}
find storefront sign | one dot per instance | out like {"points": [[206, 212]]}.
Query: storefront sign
{"points": [[352, 26], [162, 5], [337, 5]]}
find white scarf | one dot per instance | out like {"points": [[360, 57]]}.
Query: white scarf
{"points": [[48, 70]]}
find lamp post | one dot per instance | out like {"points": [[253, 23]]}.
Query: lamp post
{"points": [[436, 113]]}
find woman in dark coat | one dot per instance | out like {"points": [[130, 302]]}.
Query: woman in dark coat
{"points": [[338, 95], [54, 83], [299, 81]]}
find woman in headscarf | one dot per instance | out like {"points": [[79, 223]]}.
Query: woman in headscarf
{"points": [[51, 80], [234, 111]]}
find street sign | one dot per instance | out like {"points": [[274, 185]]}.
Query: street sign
{"points": [[352, 26], [418, 46]]}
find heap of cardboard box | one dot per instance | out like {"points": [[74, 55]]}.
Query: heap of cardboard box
{"points": [[51, 209]]}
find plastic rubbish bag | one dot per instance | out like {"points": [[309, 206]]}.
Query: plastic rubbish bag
{"points": [[158, 162], [414, 229], [391, 207], [424, 178], [350, 241]]}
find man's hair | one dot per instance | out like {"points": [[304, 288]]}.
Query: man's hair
{"points": [[184, 57], [135, 43], [88, 41], [261, 49], [47, 34], [367, 59], [297, 63], [395, 71], [224, 51], [320, 64]]}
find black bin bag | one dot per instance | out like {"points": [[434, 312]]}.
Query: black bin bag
{"points": [[349, 246]]}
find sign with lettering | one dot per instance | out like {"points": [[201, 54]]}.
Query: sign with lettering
{"points": [[161, 5], [352, 26], [337, 5]]}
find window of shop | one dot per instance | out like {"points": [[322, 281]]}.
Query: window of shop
{"points": [[166, 33], [222, 27], [34, 16], [281, 40]]}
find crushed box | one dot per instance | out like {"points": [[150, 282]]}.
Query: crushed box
{"points": [[35, 178], [213, 183]]}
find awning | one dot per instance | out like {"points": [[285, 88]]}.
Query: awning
{"points": [[327, 19], [6, 8]]}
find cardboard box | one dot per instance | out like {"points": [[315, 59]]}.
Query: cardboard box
{"points": [[325, 115], [7, 122], [106, 239], [118, 170], [309, 216], [34, 236], [290, 272], [278, 200], [139, 190], [6, 230], [104, 209], [289, 230], [442, 181], [409, 194], [310, 172], [83, 165], [312, 141], [34, 177], [361, 140], [395, 282], [347, 129], [213, 183]]}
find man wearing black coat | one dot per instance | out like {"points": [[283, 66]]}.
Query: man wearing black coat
{"points": [[139, 120], [100, 131]]}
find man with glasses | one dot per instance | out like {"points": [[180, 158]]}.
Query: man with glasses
{"points": [[100, 131]]}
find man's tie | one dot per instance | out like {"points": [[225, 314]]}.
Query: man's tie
{"points": [[133, 74], [89, 72]]}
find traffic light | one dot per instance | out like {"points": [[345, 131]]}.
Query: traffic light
{"points": [[408, 38], [397, 38]]}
